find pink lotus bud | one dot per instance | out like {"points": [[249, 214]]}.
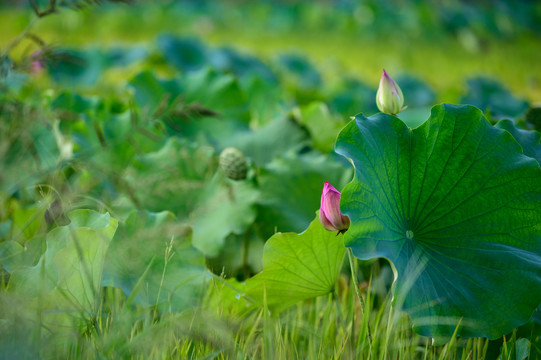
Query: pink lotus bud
{"points": [[329, 214], [389, 97], [37, 65]]}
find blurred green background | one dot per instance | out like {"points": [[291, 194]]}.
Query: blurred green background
{"points": [[441, 42]]}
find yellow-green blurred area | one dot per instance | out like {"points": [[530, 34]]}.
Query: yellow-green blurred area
{"points": [[442, 43]]}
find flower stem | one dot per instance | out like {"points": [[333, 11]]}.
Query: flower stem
{"points": [[353, 266]]}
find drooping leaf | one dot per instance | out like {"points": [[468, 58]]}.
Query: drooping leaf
{"points": [[297, 267], [153, 262], [530, 140], [456, 206], [65, 284]]}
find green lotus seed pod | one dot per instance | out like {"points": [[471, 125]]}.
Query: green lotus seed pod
{"points": [[233, 163]]}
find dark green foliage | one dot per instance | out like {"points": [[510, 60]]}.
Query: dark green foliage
{"points": [[533, 117], [492, 97], [454, 205]]}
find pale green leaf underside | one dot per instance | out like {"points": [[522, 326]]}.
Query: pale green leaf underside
{"points": [[66, 282], [456, 206], [224, 207], [297, 267]]}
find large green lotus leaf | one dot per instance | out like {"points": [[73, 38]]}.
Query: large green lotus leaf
{"points": [[65, 284], [530, 140], [456, 206], [224, 207], [291, 188], [153, 262], [297, 267], [171, 178]]}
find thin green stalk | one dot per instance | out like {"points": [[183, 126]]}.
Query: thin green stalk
{"points": [[358, 292], [247, 239], [339, 313]]}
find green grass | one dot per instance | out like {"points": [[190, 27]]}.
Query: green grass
{"points": [[328, 327]]}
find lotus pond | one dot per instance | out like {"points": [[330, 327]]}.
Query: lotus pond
{"points": [[239, 180]]}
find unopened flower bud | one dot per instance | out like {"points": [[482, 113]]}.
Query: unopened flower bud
{"points": [[389, 97], [329, 214]]}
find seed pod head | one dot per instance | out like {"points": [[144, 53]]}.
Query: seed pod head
{"points": [[233, 163]]}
